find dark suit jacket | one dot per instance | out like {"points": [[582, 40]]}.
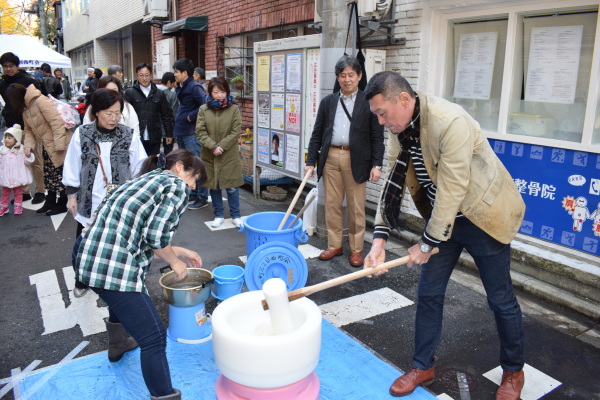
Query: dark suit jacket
{"points": [[366, 137]]}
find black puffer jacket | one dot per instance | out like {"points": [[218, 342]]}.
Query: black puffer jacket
{"points": [[22, 78], [154, 111]]}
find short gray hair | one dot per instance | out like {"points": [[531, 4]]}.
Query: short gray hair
{"points": [[347, 61], [113, 69], [388, 84]]}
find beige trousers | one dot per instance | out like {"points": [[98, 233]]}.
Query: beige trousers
{"points": [[37, 170], [338, 181]]}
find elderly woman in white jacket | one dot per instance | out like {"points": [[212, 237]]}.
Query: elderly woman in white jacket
{"points": [[101, 154], [128, 116]]}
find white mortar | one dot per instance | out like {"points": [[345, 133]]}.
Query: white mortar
{"points": [[249, 353]]}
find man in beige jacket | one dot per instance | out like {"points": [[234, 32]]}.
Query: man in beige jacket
{"points": [[469, 201]]}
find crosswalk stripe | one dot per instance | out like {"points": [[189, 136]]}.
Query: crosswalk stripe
{"points": [[364, 306], [537, 383]]}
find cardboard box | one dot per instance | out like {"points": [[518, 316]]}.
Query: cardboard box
{"points": [[247, 158]]}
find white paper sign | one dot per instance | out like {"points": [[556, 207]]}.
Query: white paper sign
{"points": [[263, 146], [292, 151], [475, 65], [277, 111], [293, 76], [553, 64]]}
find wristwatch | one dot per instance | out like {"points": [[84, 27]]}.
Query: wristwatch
{"points": [[425, 248], [378, 167]]}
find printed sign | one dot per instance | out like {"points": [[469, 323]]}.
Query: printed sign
{"points": [[561, 189]]}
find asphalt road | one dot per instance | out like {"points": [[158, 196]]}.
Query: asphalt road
{"points": [[36, 254]]}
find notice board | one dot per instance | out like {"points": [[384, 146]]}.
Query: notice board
{"points": [[286, 98]]}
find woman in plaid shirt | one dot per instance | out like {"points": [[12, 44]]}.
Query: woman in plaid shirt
{"points": [[134, 224]]}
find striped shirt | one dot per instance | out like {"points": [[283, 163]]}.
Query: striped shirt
{"points": [[138, 217], [426, 183]]}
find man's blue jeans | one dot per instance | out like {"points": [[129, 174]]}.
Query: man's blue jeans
{"points": [[136, 312], [233, 198], [191, 143], [493, 261]]}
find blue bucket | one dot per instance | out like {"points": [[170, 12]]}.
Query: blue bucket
{"points": [[229, 280], [262, 227]]}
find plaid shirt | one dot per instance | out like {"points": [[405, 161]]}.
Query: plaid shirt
{"points": [[138, 217]]}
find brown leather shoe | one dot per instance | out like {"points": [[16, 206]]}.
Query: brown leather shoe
{"points": [[356, 259], [511, 385], [407, 383], [330, 253]]}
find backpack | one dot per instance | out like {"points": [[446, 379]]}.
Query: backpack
{"points": [[66, 111]]}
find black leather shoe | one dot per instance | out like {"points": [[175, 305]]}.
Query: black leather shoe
{"points": [[26, 196], [37, 198]]}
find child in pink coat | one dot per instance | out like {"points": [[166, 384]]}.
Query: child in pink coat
{"points": [[14, 169]]}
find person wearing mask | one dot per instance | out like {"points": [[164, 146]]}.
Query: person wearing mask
{"points": [[168, 86], [469, 201], [12, 74], [49, 84], [347, 147], [152, 108], [218, 129], [66, 86], [44, 124], [116, 251], [129, 117], [101, 154], [191, 96]]}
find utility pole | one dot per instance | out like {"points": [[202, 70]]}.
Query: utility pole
{"points": [[335, 16], [42, 15]]}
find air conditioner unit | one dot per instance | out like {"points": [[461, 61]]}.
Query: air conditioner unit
{"points": [[156, 9]]}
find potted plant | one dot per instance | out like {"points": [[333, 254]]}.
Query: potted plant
{"points": [[238, 82]]}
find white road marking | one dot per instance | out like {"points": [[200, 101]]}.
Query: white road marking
{"points": [[444, 396], [58, 219], [537, 383], [55, 316], [55, 370], [28, 206], [15, 374], [363, 306], [309, 251]]}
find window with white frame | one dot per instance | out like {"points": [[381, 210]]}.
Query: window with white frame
{"points": [[543, 91]]}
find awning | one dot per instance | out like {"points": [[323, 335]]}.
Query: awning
{"points": [[199, 24]]}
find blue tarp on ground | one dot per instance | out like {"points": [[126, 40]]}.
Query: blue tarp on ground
{"points": [[347, 371]]}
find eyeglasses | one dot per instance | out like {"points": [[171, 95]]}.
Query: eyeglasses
{"points": [[9, 66], [144, 75], [112, 116]]}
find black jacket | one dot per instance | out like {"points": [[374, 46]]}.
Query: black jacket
{"points": [[154, 111], [366, 137], [22, 78], [51, 85]]}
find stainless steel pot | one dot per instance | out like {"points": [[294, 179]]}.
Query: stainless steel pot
{"points": [[190, 291]]}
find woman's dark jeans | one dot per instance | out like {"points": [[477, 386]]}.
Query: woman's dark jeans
{"points": [[136, 312], [493, 261]]}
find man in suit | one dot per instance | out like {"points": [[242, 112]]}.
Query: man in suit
{"points": [[468, 200], [347, 146]]}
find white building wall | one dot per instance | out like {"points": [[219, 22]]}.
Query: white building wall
{"points": [[102, 17]]}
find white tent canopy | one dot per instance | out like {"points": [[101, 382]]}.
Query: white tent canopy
{"points": [[31, 52]]}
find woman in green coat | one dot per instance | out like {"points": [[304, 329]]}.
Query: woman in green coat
{"points": [[218, 129]]}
